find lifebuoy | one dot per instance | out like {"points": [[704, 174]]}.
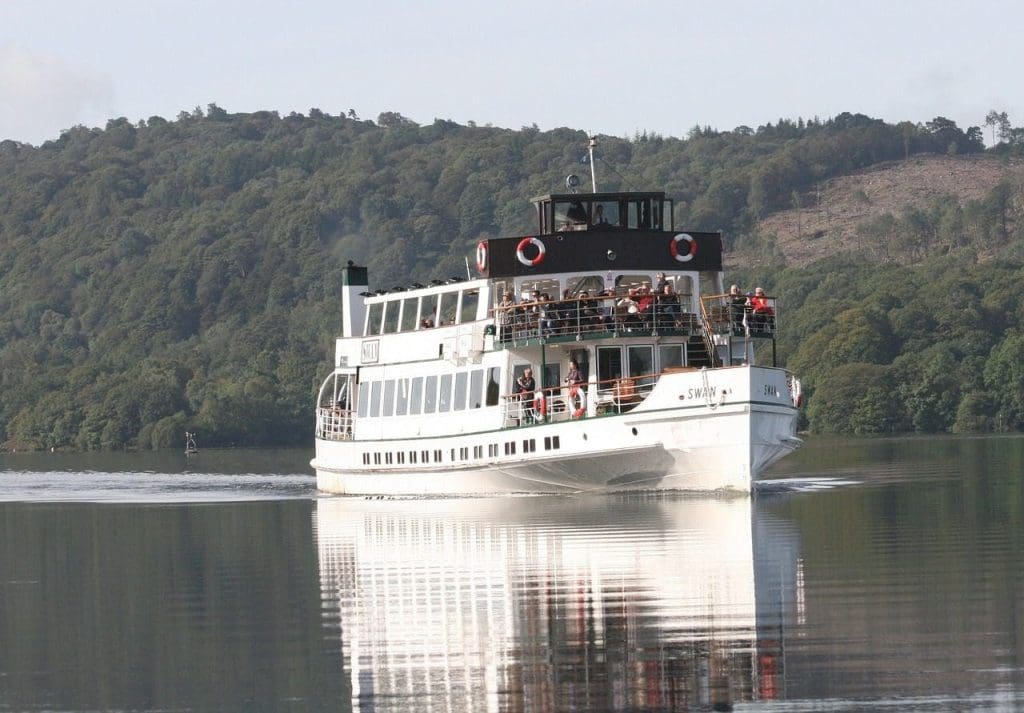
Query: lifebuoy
{"points": [[580, 408], [521, 252], [688, 252], [540, 405], [481, 256]]}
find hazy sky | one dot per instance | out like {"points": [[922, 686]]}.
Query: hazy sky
{"points": [[605, 67]]}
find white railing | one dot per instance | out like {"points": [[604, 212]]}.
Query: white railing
{"points": [[334, 424]]}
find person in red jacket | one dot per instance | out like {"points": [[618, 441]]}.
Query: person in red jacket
{"points": [[763, 313]]}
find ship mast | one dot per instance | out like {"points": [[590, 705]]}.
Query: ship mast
{"points": [[593, 171]]}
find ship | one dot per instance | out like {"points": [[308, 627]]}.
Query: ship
{"points": [[601, 352]]}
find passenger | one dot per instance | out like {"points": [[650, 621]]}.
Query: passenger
{"points": [[505, 314], [599, 215], [764, 315], [525, 387], [574, 377], [626, 311], [667, 308], [659, 285], [737, 310]]}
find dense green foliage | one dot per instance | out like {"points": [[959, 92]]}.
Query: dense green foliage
{"points": [[185, 274]]}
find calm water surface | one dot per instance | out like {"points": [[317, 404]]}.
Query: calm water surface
{"points": [[868, 575]]}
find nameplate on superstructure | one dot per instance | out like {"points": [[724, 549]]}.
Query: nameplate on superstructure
{"points": [[371, 351]]}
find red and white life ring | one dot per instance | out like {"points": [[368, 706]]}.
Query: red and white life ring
{"points": [[481, 256], [540, 405], [521, 252], [688, 252], [577, 401]]}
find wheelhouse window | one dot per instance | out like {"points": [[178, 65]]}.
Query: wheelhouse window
{"points": [[409, 310], [373, 319], [470, 300], [428, 310], [391, 316]]}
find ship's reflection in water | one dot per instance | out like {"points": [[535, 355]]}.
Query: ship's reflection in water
{"points": [[544, 604]]}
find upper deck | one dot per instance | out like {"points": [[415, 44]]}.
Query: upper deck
{"points": [[601, 232]]}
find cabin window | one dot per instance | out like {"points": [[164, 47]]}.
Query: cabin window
{"points": [[530, 290], [641, 364], [409, 309], [571, 215], [446, 313], [363, 409], [373, 317], [671, 356], [430, 395], [402, 397], [428, 311], [388, 405], [630, 282], [416, 395], [493, 387], [391, 317], [444, 395], [470, 300], [552, 376], [605, 214], [460, 391], [639, 214], [375, 399], [592, 284], [476, 387], [609, 363]]}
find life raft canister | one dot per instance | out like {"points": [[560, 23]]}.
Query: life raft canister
{"points": [[481, 256], [540, 405], [524, 244], [577, 401], [688, 250]]}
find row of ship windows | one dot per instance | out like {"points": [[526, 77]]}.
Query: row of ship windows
{"points": [[412, 313], [457, 455], [437, 393]]}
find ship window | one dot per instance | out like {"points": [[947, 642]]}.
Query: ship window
{"points": [[415, 395], [391, 317], [629, 282], [492, 386], [556, 442], [639, 214], [444, 394], [464, 454], [389, 458], [373, 316], [605, 214], [492, 450], [437, 456], [609, 364], [428, 309], [409, 313], [446, 313], [460, 391], [402, 397], [366, 459], [412, 456], [388, 407], [375, 398], [363, 408], [641, 364], [476, 386], [425, 456], [510, 448], [593, 284], [547, 443], [376, 458], [401, 457], [671, 355], [470, 300], [453, 455], [430, 395], [530, 290]]}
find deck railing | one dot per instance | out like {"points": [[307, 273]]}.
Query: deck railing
{"points": [[564, 403], [599, 316], [334, 424]]}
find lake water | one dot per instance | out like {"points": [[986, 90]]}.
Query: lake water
{"points": [[868, 575]]}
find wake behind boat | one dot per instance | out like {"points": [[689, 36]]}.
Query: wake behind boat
{"points": [[601, 353]]}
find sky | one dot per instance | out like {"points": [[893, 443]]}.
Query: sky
{"points": [[615, 68]]}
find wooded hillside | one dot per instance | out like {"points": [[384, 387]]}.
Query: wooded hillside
{"points": [[174, 275]]}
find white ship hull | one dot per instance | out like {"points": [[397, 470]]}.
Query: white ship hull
{"points": [[713, 430]]}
